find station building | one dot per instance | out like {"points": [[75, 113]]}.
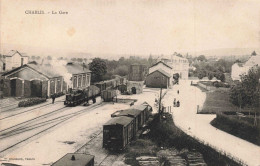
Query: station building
{"points": [[160, 76]]}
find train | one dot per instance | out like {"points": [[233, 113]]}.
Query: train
{"points": [[78, 96], [105, 89], [124, 125]]}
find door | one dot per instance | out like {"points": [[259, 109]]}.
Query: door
{"points": [[13, 87], [36, 88], [133, 90]]}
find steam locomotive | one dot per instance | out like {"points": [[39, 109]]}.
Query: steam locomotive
{"points": [[105, 88]]}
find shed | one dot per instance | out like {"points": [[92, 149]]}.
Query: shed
{"points": [[136, 87], [32, 80], [158, 79], [75, 159]]}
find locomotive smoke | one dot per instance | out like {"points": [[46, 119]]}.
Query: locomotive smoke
{"points": [[60, 67]]}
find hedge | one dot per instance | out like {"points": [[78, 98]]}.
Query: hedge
{"points": [[236, 127], [31, 101]]}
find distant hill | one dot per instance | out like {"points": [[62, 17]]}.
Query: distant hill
{"points": [[228, 52]]}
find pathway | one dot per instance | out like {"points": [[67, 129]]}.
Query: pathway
{"points": [[198, 125]]}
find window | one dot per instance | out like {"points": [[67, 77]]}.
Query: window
{"points": [[75, 82], [84, 80], [79, 81], [4, 67], [88, 80]]}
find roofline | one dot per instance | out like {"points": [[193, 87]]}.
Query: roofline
{"points": [[16, 52], [160, 72], [20, 68], [162, 63]]}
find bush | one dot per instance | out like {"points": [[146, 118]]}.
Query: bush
{"points": [[31, 101], [236, 127]]}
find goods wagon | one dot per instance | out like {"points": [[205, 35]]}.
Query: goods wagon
{"points": [[108, 95], [75, 159], [118, 132]]}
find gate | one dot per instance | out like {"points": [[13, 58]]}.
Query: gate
{"points": [[36, 88]]}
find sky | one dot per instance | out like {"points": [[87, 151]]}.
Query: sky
{"points": [[129, 26]]}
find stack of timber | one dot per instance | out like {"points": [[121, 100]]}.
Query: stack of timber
{"points": [[195, 159], [148, 161], [172, 157]]}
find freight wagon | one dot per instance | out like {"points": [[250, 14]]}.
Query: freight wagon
{"points": [[118, 132], [139, 115], [108, 95]]}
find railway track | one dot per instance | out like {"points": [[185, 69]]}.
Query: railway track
{"points": [[32, 109], [41, 124]]}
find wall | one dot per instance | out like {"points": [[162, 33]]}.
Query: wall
{"points": [[155, 80], [137, 73], [212, 88], [27, 88], [7, 88], [137, 84], [81, 80]]}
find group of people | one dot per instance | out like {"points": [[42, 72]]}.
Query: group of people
{"points": [[176, 104]]}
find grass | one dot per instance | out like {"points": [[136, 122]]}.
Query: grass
{"points": [[218, 101], [242, 128]]}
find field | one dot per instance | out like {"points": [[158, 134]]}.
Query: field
{"points": [[218, 101]]}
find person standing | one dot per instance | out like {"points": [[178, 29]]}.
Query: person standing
{"points": [[53, 96]]}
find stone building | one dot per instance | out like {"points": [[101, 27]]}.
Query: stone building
{"points": [[158, 79], [137, 72], [32, 80], [178, 64]]}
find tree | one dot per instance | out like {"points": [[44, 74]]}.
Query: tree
{"points": [[202, 58], [247, 92], [121, 70], [151, 61], [253, 53], [210, 75], [98, 68], [201, 74]]}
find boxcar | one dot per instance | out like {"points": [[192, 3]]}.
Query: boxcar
{"points": [[108, 95], [75, 159], [118, 132], [138, 111]]}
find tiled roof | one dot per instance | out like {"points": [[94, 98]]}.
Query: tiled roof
{"points": [[162, 63], [48, 72], [161, 71]]}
